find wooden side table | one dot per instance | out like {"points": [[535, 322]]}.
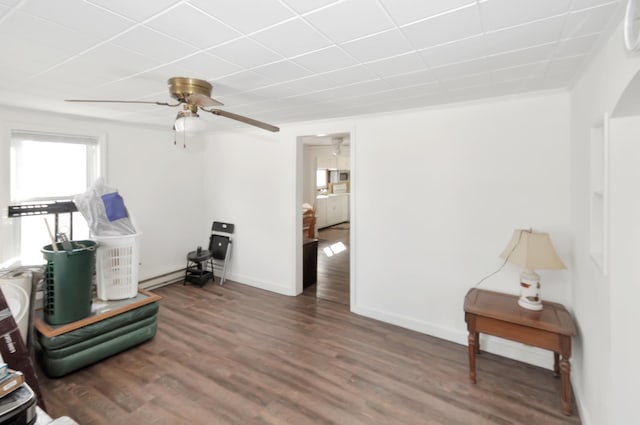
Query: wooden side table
{"points": [[499, 314]]}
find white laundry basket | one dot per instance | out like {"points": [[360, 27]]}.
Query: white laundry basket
{"points": [[117, 259]]}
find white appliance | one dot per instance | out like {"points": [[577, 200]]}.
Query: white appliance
{"points": [[16, 288], [337, 176]]}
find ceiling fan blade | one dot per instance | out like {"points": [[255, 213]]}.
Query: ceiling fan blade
{"points": [[122, 101], [243, 119], [202, 100]]}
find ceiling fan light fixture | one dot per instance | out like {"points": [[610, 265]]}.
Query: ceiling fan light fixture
{"points": [[336, 142], [189, 122]]}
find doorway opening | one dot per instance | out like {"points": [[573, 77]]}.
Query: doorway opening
{"points": [[326, 201]]}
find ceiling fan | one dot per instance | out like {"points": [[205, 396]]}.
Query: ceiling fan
{"points": [[193, 94]]}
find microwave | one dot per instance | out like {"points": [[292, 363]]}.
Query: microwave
{"points": [[337, 176]]}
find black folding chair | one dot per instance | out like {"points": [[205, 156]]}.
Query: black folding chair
{"points": [[201, 264]]}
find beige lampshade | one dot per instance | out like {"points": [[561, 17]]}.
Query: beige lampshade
{"points": [[532, 250]]}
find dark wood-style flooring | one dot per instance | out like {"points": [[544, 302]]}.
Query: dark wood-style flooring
{"points": [[239, 355], [333, 270]]}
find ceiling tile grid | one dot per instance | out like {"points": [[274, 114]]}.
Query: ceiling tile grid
{"points": [[290, 60]]}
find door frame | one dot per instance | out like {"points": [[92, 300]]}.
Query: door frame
{"points": [[299, 173]]}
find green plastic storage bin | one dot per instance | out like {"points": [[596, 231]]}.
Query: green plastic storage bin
{"points": [[68, 282]]}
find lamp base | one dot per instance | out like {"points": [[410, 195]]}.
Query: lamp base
{"points": [[529, 305], [530, 291]]}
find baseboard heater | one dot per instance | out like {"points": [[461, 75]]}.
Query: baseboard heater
{"points": [[162, 280]]}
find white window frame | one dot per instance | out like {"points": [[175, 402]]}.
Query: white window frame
{"points": [[98, 140]]}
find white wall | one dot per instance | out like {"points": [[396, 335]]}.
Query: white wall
{"points": [[601, 369], [625, 268], [250, 181], [160, 183], [436, 196], [457, 180]]}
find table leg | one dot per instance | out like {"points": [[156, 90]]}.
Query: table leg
{"points": [[565, 371], [556, 365], [477, 342], [472, 356]]}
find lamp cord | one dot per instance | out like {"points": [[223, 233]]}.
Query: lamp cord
{"points": [[506, 260]]}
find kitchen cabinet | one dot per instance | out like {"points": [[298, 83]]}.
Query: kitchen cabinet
{"points": [[332, 209], [326, 159]]}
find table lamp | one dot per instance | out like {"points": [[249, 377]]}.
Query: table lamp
{"points": [[531, 250]]}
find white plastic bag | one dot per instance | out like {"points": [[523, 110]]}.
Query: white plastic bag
{"points": [[104, 209]]}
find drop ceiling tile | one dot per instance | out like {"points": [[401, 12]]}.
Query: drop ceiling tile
{"points": [[246, 16], [192, 31], [244, 81], [397, 65], [282, 71], [95, 21], [522, 57], [421, 101], [588, 21], [359, 89], [279, 38], [522, 72], [476, 80], [577, 46], [462, 69], [421, 89], [304, 6], [457, 51], [546, 83], [245, 53], [21, 66], [584, 4], [136, 10], [406, 11], [239, 99], [276, 91], [311, 84], [411, 79], [378, 46], [154, 44], [481, 92], [442, 29], [46, 33], [382, 97], [132, 88], [206, 66], [521, 37], [344, 21], [565, 66], [325, 60], [497, 14], [101, 65], [352, 75]]}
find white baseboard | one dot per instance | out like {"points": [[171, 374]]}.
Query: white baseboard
{"points": [[499, 346], [256, 283], [178, 275], [585, 417]]}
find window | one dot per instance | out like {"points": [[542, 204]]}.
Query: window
{"points": [[321, 178], [49, 167]]}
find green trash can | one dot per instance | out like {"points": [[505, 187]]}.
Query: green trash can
{"points": [[68, 281]]}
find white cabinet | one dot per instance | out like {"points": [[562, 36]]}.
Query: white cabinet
{"points": [[326, 159], [344, 159], [332, 209], [321, 211]]}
